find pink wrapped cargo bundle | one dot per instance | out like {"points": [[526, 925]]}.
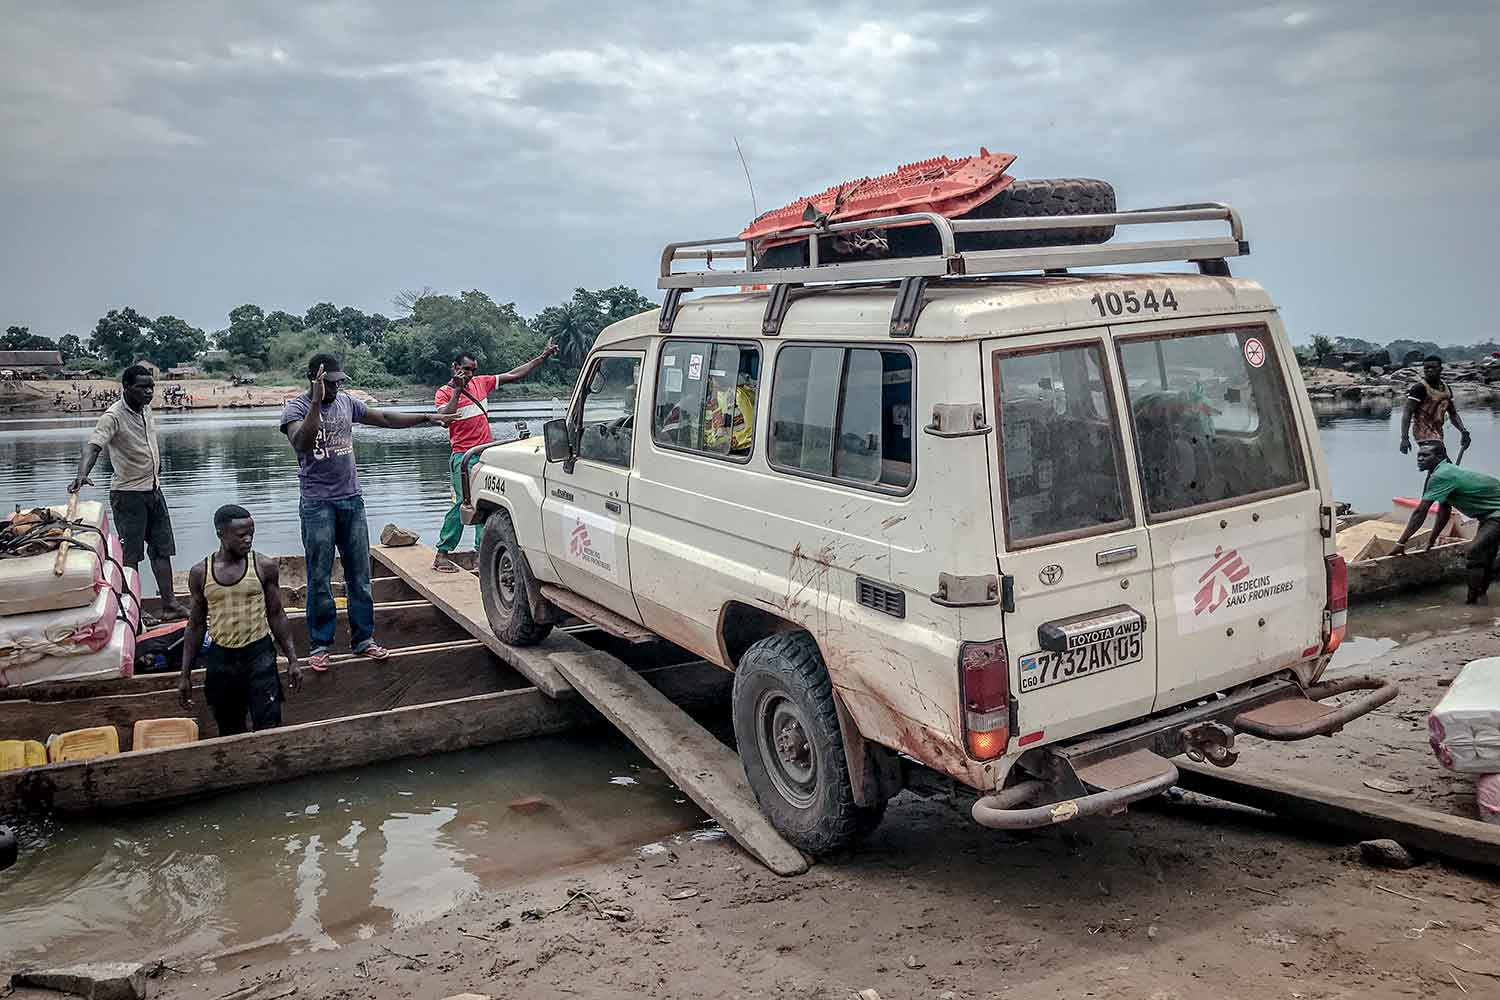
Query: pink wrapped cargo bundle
{"points": [[1464, 727], [73, 631], [1487, 792], [115, 659], [31, 582]]}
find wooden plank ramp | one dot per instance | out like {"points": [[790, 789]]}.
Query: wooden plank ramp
{"points": [[705, 769], [457, 595], [1362, 815], [708, 771]]}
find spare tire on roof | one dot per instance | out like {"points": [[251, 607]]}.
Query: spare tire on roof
{"points": [[1031, 199]]}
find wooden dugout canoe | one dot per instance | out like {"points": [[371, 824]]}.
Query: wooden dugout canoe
{"points": [[440, 690]]}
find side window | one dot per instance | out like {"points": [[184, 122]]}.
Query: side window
{"points": [[1060, 458], [1213, 421], [608, 430], [705, 397], [843, 414]]}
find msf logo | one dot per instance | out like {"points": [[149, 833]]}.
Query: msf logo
{"points": [[580, 542], [1214, 584]]}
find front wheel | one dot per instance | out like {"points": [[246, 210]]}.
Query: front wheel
{"points": [[787, 728], [506, 583]]}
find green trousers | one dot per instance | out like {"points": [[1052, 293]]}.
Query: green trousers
{"points": [[453, 525]]}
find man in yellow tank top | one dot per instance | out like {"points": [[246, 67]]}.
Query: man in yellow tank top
{"points": [[236, 598]]}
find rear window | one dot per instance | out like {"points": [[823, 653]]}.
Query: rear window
{"points": [[1213, 421], [843, 414], [1060, 459]]}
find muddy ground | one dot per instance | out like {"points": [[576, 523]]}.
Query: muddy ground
{"points": [[1187, 898]]}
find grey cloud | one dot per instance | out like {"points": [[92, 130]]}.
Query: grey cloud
{"points": [[191, 156]]}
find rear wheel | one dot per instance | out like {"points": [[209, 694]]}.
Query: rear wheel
{"points": [[506, 583], [787, 729]]}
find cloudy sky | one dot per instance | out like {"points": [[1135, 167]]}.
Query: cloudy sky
{"points": [[186, 157]]}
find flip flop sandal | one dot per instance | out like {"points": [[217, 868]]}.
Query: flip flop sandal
{"points": [[445, 566], [374, 651], [318, 662]]}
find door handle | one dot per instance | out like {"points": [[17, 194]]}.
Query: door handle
{"points": [[1124, 553], [611, 506], [562, 494]]}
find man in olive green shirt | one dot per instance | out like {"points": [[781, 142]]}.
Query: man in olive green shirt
{"points": [[1474, 494], [128, 430]]}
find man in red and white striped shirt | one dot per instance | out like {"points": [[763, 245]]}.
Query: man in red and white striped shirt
{"points": [[464, 394]]}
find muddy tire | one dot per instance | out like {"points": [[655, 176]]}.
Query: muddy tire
{"points": [[505, 581], [787, 729], [1033, 199]]}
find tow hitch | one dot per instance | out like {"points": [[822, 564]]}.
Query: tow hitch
{"points": [[1106, 772], [1212, 742]]}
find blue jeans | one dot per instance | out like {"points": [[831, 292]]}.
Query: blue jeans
{"points": [[329, 524]]}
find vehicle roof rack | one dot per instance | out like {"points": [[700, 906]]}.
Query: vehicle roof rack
{"points": [[1209, 253]]}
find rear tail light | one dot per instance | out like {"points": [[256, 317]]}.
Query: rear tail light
{"points": [[1336, 617], [984, 683]]}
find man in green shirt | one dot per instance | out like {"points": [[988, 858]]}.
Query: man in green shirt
{"points": [[1474, 494]]}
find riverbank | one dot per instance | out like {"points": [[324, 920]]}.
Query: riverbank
{"points": [[1154, 903], [61, 397]]}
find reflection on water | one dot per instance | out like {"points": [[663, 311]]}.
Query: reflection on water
{"points": [[235, 456], [312, 864], [1377, 627]]}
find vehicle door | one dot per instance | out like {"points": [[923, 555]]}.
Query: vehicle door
{"points": [[586, 513], [1081, 634], [1234, 521]]}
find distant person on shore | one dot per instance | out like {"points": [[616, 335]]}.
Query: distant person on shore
{"points": [[320, 426], [463, 396], [128, 430], [1474, 494], [236, 595], [1428, 402]]}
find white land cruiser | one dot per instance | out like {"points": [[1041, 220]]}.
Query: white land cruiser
{"points": [[1040, 532]]}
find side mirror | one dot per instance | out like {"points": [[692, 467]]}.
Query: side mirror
{"points": [[556, 441]]}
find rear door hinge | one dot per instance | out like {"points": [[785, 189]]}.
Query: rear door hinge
{"points": [[955, 591], [1325, 521], [951, 420]]}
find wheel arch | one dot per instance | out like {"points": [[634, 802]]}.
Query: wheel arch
{"points": [[742, 625]]}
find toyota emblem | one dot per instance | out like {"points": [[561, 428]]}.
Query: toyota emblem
{"points": [[1050, 574]]}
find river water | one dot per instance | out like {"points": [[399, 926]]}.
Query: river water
{"points": [[318, 862], [210, 458]]}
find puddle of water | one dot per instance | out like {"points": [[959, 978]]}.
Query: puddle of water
{"points": [[1378, 627], [319, 862]]}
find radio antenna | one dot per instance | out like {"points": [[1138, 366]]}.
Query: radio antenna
{"points": [[754, 208]]}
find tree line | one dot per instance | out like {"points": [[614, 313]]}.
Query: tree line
{"points": [[1322, 346], [378, 352]]}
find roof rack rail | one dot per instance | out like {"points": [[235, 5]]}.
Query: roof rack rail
{"points": [[1208, 252]]}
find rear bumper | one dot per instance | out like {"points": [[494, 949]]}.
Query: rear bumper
{"points": [[1105, 772]]}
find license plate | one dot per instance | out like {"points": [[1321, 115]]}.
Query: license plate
{"points": [[1044, 668]]}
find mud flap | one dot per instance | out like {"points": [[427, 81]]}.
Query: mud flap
{"points": [[874, 771], [543, 611]]}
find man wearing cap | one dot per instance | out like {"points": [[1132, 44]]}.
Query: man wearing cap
{"points": [[320, 426]]}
